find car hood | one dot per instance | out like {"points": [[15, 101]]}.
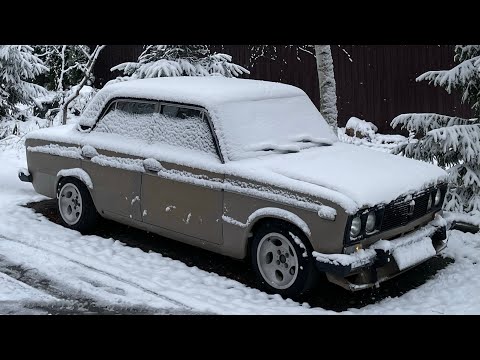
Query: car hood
{"points": [[367, 177]]}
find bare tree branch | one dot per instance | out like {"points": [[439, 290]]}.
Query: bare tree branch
{"points": [[92, 58]]}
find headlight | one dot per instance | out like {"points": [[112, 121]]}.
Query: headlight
{"points": [[356, 227], [430, 201], [371, 221], [438, 197]]}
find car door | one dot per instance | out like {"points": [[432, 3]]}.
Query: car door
{"points": [[116, 175], [184, 196]]}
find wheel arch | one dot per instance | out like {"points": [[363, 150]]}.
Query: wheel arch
{"points": [[77, 173], [261, 216]]}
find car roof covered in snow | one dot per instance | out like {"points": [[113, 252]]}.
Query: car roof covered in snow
{"points": [[202, 91]]}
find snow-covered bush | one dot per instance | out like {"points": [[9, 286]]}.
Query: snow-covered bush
{"points": [[18, 67], [52, 103], [360, 128], [451, 142], [178, 60]]}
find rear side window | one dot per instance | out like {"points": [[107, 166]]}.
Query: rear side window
{"points": [[174, 125], [180, 112], [136, 107], [184, 127]]}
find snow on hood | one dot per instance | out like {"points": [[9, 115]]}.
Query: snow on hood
{"points": [[367, 177]]}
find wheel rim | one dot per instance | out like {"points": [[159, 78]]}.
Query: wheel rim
{"points": [[70, 204], [277, 261]]}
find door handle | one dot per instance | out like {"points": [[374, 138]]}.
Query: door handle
{"points": [[89, 152], [152, 165]]}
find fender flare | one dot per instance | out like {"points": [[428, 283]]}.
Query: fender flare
{"points": [[78, 173], [270, 212]]}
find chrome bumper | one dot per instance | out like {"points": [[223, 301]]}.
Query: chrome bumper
{"points": [[370, 267]]}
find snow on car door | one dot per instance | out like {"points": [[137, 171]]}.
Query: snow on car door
{"points": [[183, 199], [115, 173]]}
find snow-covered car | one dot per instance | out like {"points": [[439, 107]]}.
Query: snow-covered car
{"points": [[244, 168]]}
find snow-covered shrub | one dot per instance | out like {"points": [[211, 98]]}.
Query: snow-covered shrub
{"points": [[178, 60], [451, 142], [18, 67], [48, 106], [360, 128]]}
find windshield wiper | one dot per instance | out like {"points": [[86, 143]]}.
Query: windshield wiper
{"points": [[307, 139], [284, 149]]}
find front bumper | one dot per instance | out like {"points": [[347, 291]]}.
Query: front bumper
{"points": [[384, 259]]}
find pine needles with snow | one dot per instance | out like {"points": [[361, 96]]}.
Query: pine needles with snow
{"points": [[18, 67], [452, 142], [178, 60]]}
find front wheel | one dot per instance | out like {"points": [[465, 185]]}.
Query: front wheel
{"points": [[75, 205], [281, 257]]}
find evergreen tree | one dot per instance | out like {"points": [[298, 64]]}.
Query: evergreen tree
{"points": [[452, 142], [18, 67], [179, 60]]}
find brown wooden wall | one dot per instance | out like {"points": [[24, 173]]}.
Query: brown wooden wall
{"points": [[374, 82]]}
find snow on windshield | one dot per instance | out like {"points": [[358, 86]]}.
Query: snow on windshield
{"points": [[255, 128]]}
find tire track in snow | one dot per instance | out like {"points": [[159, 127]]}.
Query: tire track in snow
{"points": [[62, 299], [102, 272]]}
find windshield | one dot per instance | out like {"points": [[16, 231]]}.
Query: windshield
{"points": [[257, 128]]}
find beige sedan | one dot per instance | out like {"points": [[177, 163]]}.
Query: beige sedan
{"points": [[245, 168]]}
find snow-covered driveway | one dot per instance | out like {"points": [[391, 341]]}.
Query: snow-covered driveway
{"points": [[55, 265]]}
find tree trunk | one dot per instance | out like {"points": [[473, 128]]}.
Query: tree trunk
{"points": [[326, 81], [90, 64]]}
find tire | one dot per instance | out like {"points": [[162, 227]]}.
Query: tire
{"points": [[281, 265], [75, 205]]}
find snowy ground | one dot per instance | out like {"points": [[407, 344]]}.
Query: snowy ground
{"points": [[45, 268]]}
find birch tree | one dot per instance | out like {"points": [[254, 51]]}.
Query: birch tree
{"points": [[87, 71], [64, 63], [326, 76], [327, 85]]}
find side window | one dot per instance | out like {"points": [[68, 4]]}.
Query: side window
{"points": [[111, 108], [179, 112], [176, 125], [132, 119], [136, 107], [186, 128]]}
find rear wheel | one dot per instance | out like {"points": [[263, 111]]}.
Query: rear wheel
{"points": [[75, 205], [281, 257]]}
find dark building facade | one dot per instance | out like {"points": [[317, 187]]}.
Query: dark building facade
{"points": [[374, 82]]}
